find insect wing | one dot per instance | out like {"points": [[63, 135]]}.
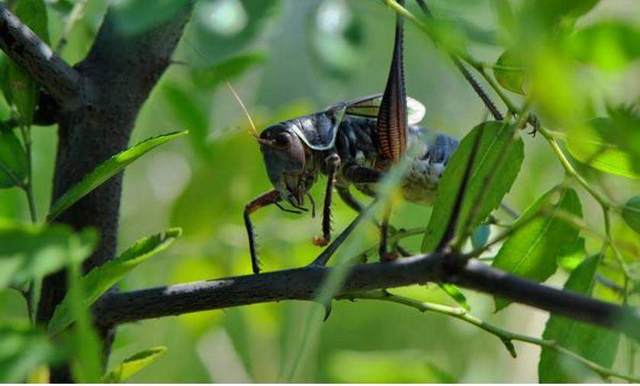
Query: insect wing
{"points": [[366, 107], [369, 107], [415, 111]]}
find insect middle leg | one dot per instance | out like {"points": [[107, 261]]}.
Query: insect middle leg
{"points": [[384, 253], [268, 198], [360, 174], [332, 164]]}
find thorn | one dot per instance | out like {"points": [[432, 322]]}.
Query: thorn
{"points": [[510, 347], [327, 311]]}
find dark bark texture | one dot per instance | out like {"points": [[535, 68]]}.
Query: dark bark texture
{"points": [[98, 101]]}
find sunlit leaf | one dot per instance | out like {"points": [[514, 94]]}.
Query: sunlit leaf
{"points": [[572, 255], [30, 252], [22, 350], [456, 294], [593, 343], [631, 213], [609, 45], [106, 170], [532, 251], [552, 11], [22, 89], [41, 374], [134, 364], [86, 352], [385, 367], [101, 278], [509, 72], [13, 160], [499, 157], [561, 98], [588, 144]]}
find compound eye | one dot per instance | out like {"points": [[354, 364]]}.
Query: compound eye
{"points": [[282, 139]]}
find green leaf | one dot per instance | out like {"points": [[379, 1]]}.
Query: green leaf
{"points": [[631, 213], [594, 145], [22, 350], [533, 250], [101, 278], [30, 252], [609, 45], [211, 76], [509, 72], [22, 89], [384, 367], [454, 292], [134, 364], [480, 236], [554, 11], [572, 255], [499, 158], [106, 170], [13, 160], [594, 343], [86, 349]]}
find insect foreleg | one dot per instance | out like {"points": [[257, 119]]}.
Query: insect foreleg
{"points": [[262, 200], [332, 164]]}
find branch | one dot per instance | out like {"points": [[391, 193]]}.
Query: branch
{"points": [[465, 73], [303, 283], [27, 50], [506, 337], [117, 75]]}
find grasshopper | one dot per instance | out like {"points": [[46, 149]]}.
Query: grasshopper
{"points": [[352, 143]]}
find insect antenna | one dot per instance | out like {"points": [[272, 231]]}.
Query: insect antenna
{"points": [[253, 130]]}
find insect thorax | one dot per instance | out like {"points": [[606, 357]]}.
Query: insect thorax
{"points": [[356, 144]]}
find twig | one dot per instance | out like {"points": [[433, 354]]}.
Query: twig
{"points": [[25, 48], [497, 115], [506, 337]]}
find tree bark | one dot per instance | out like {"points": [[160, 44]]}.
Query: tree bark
{"points": [[114, 81]]}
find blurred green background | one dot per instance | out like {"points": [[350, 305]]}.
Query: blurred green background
{"points": [[288, 58]]}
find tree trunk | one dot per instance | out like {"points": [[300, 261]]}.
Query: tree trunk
{"points": [[116, 78]]}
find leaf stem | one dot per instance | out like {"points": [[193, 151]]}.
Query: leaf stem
{"points": [[506, 337], [27, 187]]}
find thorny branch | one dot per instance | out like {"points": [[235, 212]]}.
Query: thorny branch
{"points": [[303, 283]]}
